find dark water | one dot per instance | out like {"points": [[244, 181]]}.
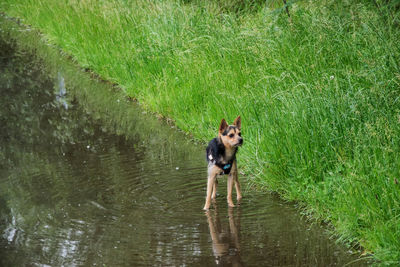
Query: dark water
{"points": [[77, 190]]}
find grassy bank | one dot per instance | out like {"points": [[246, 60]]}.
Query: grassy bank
{"points": [[319, 96]]}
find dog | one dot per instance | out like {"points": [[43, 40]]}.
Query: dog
{"points": [[221, 157]]}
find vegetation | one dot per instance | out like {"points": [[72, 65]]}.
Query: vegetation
{"points": [[318, 94]]}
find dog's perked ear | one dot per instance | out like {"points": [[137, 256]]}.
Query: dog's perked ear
{"points": [[238, 122], [222, 126]]}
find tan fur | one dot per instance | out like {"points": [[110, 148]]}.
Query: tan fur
{"points": [[231, 142]]}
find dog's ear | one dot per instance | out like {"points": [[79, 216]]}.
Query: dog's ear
{"points": [[238, 122], [222, 126]]}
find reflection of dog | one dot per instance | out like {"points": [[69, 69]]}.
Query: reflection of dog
{"points": [[221, 157], [225, 240]]}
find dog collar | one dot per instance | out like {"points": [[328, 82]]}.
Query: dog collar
{"points": [[227, 166]]}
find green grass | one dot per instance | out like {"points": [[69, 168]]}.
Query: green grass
{"points": [[319, 97]]}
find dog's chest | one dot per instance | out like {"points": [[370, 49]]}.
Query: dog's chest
{"points": [[229, 154], [222, 158]]}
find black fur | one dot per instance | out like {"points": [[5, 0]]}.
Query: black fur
{"points": [[216, 149]]}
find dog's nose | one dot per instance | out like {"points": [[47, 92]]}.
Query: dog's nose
{"points": [[241, 141]]}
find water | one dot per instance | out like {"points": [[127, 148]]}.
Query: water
{"points": [[79, 186]]}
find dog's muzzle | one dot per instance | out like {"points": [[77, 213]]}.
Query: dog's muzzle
{"points": [[240, 142]]}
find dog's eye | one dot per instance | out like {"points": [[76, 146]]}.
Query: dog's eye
{"points": [[231, 135], [240, 134]]}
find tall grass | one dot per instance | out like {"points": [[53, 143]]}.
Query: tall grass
{"points": [[319, 96]]}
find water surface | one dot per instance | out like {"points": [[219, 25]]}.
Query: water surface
{"points": [[79, 189]]}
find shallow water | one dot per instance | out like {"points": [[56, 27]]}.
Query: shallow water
{"points": [[77, 190]]}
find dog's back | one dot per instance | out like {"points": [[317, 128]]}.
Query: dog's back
{"points": [[214, 151]]}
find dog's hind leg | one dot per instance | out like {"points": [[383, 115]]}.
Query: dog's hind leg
{"points": [[210, 185], [212, 176], [214, 192]]}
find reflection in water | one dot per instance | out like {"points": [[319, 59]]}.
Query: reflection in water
{"points": [[62, 91], [225, 237], [79, 188]]}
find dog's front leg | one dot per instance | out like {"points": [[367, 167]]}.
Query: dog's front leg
{"points": [[233, 180], [230, 187], [236, 181], [212, 176]]}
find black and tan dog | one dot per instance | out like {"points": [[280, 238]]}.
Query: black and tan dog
{"points": [[221, 158]]}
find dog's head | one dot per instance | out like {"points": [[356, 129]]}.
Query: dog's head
{"points": [[230, 134]]}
